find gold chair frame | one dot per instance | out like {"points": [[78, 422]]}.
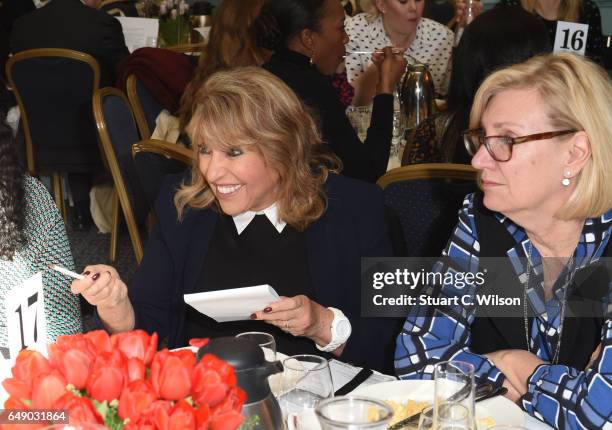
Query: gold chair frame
{"points": [[58, 192], [120, 196], [187, 48], [137, 110], [461, 172], [168, 149]]}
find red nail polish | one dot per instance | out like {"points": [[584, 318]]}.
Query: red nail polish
{"points": [[86, 273], [253, 316], [95, 277], [268, 310]]}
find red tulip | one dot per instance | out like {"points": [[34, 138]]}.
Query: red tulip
{"points": [[136, 398], [170, 374], [226, 421], [107, 376], [74, 365], [28, 365], [80, 409], [136, 344], [212, 379], [136, 370], [47, 389], [159, 414], [100, 340], [182, 417]]}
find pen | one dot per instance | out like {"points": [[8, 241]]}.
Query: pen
{"points": [[66, 271]]}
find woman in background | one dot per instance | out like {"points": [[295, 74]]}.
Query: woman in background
{"points": [[580, 11], [308, 48], [499, 37], [396, 23], [32, 236], [235, 40]]}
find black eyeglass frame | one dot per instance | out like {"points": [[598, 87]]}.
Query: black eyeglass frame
{"points": [[509, 141]]}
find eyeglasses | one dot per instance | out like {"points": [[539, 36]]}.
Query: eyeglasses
{"points": [[500, 147]]}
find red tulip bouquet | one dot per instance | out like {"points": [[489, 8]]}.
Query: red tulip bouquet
{"points": [[123, 382]]}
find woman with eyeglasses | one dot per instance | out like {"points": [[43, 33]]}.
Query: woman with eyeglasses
{"points": [[540, 140]]}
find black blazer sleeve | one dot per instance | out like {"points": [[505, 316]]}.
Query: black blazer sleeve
{"points": [[112, 44]]}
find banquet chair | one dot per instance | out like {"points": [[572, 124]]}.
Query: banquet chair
{"points": [[144, 106], [54, 88], [156, 158], [426, 199], [118, 131]]}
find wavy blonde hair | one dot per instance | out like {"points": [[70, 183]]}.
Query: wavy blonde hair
{"points": [[579, 97], [251, 109], [569, 10]]}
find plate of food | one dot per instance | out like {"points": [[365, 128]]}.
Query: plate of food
{"points": [[411, 396]]}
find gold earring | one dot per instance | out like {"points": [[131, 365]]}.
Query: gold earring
{"points": [[311, 61]]}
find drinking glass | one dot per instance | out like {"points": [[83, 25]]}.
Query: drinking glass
{"points": [[306, 380], [426, 420], [151, 42], [453, 416], [353, 413], [360, 117], [454, 394], [506, 427], [264, 340]]}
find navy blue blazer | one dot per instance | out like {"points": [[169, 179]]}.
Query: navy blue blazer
{"points": [[353, 226]]}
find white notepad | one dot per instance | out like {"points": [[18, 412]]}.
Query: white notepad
{"points": [[236, 304]]}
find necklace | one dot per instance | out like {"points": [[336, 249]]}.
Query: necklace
{"points": [[568, 278]]}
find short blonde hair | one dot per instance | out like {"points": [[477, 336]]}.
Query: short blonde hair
{"points": [[579, 97], [249, 108]]}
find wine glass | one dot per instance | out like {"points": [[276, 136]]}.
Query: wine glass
{"points": [[306, 380], [454, 394], [353, 413], [264, 340]]}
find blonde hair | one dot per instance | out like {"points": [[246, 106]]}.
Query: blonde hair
{"points": [[578, 94], [249, 108], [569, 10]]}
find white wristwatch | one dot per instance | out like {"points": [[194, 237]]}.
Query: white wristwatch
{"points": [[340, 331]]}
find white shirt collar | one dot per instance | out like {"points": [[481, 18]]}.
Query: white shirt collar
{"points": [[241, 221]]}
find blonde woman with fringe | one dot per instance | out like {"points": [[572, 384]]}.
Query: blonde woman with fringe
{"points": [[540, 138], [581, 11], [262, 205]]}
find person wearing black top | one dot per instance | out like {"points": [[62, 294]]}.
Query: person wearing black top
{"points": [[309, 45], [262, 206]]}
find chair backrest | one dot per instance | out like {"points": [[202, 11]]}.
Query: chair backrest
{"points": [[145, 107], [426, 199], [155, 159], [118, 132], [54, 88]]}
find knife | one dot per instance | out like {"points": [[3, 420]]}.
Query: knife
{"points": [[360, 377], [486, 392]]}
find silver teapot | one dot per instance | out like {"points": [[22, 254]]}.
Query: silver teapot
{"points": [[416, 94]]}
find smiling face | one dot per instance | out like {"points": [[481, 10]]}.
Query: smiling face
{"points": [[239, 178], [329, 39], [401, 16], [530, 182]]}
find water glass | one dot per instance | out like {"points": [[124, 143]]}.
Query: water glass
{"points": [[453, 417], [353, 413], [360, 117], [426, 421], [306, 380], [454, 393], [264, 340], [151, 42]]}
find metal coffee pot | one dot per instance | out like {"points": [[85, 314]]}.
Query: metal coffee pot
{"points": [[416, 94], [252, 371]]}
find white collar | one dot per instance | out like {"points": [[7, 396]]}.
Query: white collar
{"points": [[241, 221]]}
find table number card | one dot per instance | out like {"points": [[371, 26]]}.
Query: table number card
{"points": [[571, 37], [25, 316]]}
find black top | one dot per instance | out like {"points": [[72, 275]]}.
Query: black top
{"points": [[367, 160], [589, 14], [259, 255]]}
